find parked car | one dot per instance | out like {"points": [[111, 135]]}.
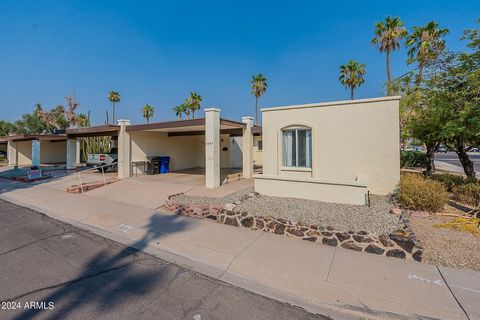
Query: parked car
{"points": [[473, 149], [98, 160], [442, 149]]}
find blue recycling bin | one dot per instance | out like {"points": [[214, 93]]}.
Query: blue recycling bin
{"points": [[164, 164]]}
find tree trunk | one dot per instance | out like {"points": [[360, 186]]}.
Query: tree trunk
{"points": [[351, 93], [431, 158], [420, 75], [193, 113], [113, 113], [389, 77], [256, 110], [465, 160]]}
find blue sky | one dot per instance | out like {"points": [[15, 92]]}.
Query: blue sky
{"points": [[156, 52]]}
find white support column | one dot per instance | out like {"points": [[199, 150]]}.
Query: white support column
{"points": [[36, 153], [212, 147], [71, 153], [12, 153], [124, 151], [77, 152], [247, 150]]}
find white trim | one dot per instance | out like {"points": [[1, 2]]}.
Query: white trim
{"points": [[332, 103], [299, 169], [211, 110]]}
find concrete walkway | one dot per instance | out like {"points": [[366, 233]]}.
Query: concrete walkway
{"points": [[332, 281]]}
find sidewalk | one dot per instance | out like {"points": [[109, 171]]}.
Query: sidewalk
{"points": [[331, 281]]}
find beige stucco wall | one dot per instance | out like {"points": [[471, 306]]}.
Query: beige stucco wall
{"points": [[24, 151], [349, 139], [257, 153], [53, 152]]}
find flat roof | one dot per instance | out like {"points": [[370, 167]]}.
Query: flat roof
{"points": [[332, 103], [184, 125], [30, 137], [94, 131]]}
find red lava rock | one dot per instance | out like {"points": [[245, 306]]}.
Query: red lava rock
{"points": [[396, 211]]}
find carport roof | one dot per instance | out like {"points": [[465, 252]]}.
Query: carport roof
{"points": [[94, 131], [30, 137]]}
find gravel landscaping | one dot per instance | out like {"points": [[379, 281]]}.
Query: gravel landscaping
{"points": [[375, 219], [446, 247]]}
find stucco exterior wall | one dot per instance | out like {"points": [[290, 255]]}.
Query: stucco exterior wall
{"points": [[53, 152], [257, 153], [24, 151], [350, 139]]}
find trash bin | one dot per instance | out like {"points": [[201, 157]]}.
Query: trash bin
{"points": [[153, 165], [164, 164]]}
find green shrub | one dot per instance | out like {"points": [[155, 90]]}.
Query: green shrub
{"points": [[449, 180], [413, 159], [468, 193], [418, 193]]}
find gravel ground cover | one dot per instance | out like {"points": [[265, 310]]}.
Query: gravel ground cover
{"points": [[186, 199], [375, 219], [446, 247]]}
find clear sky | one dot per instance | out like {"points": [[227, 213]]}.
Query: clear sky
{"points": [[156, 52]]}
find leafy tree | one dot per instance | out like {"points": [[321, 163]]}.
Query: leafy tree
{"points": [[179, 110], [194, 102], [113, 97], [425, 44], [6, 128], [32, 123], [352, 75], [148, 111], [388, 34], [259, 86]]}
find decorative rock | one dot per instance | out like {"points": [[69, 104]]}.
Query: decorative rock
{"points": [[396, 211], [271, 225], [342, 236], [211, 217], [351, 245], [259, 224], [330, 228], [314, 227], [295, 232], [229, 206], [313, 233], [237, 202], [362, 239], [282, 220], [403, 239], [351, 232], [362, 233], [247, 222], [371, 248], [330, 241], [385, 240], [279, 229], [327, 234], [311, 239], [230, 213], [231, 221], [396, 253], [417, 255]]}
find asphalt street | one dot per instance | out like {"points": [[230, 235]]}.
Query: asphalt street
{"points": [[452, 158], [52, 270]]}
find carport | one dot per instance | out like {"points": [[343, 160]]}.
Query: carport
{"points": [[36, 149]]}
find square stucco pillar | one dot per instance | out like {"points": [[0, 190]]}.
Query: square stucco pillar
{"points": [[247, 150], [124, 151], [212, 148], [77, 151], [36, 153], [12, 153], [71, 153]]}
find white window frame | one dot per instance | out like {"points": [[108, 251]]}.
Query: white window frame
{"points": [[308, 148]]}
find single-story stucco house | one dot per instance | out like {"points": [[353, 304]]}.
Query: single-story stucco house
{"points": [[336, 151], [35, 149]]}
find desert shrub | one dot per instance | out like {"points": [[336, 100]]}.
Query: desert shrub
{"points": [[413, 159], [418, 193], [449, 180], [468, 193]]}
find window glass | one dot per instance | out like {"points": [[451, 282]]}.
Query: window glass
{"points": [[297, 146]]}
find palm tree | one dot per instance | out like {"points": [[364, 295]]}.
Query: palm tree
{"points": [[259, 86], [425, 45], [186, 109], [194, 102], [179, 111], [114, 97], [148, 111], [351, 75], [388, 34]]}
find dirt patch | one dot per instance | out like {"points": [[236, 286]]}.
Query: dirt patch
{"points": [[444, 246]]}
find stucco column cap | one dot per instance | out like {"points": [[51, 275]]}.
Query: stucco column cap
{"points": [[123, 121], [212, 110]]}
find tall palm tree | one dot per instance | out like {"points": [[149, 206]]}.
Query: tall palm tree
{"points": [[114, 97], [425, 44], [351, 75], [388, 34], [194, 102], [148, 111], [179, 111], [186, 109], [259, 86]]}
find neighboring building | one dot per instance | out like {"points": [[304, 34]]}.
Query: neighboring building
{"points": [[35, 149], [335, 152]]}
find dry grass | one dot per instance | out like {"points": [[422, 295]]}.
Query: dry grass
{"points": [[471, 225]]}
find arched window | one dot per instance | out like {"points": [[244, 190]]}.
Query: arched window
{"points": [[297, 147]]}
